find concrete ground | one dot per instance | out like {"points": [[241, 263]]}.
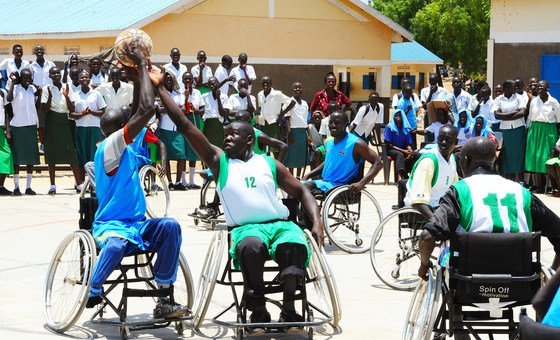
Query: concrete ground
{"points": [[32, 228]]}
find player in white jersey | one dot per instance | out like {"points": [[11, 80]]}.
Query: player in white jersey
{"points": [[247, 186], [433, 173], [486, 202]]}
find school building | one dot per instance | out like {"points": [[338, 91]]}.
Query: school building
{"points": [[524, 42], [286, 39]]}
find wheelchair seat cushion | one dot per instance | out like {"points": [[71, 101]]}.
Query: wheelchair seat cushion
{"points": [[485, 266]]}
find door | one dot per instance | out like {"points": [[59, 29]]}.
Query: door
{"points": [[550, 71]]}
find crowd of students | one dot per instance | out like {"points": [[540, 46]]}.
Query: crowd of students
{"points": [[62, 108]]}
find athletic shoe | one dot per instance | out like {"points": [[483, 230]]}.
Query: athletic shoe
{"points": [[41, 149], [193, 186], [30, 192], [207, 212], [171, 186], [166, 310], [291, 316], [52, 191], [16, 192], [5, 192], [259, 315], [180, 187], [93, 301]]}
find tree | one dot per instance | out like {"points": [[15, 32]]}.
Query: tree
{"points": [[400, 11], [456, 30]]}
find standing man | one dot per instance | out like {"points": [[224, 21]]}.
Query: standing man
{"points": [[433, 91], [202, 73], [368, 119], [273, 106], [176, 67], [14, 65], [115, 93], [243, 71], [222, 74], [241, 101], [40, 69], [460, 98], [23, 127]]}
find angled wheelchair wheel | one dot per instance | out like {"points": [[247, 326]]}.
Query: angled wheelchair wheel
{"points": [[156, 191], [68, 280], [423, 309], [394, 251], [87, 187], [324, 283], [208, 277], [350, 219]]}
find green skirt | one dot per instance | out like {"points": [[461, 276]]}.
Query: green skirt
{"points": [[24, 145], [175, 144], [6, 160], [540, 141], [204, 89], [214, 131], [198, 122], [272, 234], [60, 139], [513, 153], [87, 138], [297, 148], [273, 131]]}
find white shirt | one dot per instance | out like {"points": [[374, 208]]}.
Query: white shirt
{"points": [[2, 103], [434, 128], [462, 101], [94, 101], [514, 103], [211, 106], [298, 114], [9, 65], [271, 105], [485, 109], [548, 112], [58, 101], [115, 100], [238, 73], [440, 94], [73, 88], [415, 98], [165, 122], [169, 67], [324, 129], [525, 97], [221, 73], [98, 79], [206, 73], [195, 98], [235, 103], [365, 122], [23, 105], [41, 74]]}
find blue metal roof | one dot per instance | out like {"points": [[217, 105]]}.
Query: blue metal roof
{"points": [[411, 52], [67, 16]]}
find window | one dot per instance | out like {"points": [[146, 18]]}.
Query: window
{"points": [[344, 82], [421, 80], [4, 51], [68, 50], [396, 80], [368, 81]]}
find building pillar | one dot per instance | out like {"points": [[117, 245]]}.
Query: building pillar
{"points": [[384, 81], [490, 64]]}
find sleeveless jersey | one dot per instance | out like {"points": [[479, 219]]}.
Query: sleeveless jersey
{"points": [[444, 173], [256, 148], [247, 190], [121, 203], [140, 148], [340, 167], [493, 204]]}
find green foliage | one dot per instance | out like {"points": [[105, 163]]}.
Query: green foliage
{"points": [[455, 30]]}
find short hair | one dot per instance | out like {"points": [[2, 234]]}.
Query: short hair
{"points": [[244, 115], [16, 46], [481, 150], [95, 59], [452, 129], [508, 83], [342, 113], [244, 126], [227, 59], [330, 73]]}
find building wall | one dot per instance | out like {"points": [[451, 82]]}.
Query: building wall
{"points": [[414, 70], [55, 47]]}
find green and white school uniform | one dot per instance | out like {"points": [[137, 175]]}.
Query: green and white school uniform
{"points": [[542, 134], [493, 204], [88, 131], [175, 143], [430, 190], [247, 190], [23, 126], [297, 138], [6, 161]]}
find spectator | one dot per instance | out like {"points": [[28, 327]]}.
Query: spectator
{"points": [[330, 93], [398, 139]]}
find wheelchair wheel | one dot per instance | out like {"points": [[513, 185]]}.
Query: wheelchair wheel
{"points": [[208, 277], [350, 219], [156, 191], [423, 308], [87, 186], [68, 280], [323, 280], [394, 251]]}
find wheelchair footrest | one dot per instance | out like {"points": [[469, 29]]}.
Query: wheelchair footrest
{"points": [[163, 292]]}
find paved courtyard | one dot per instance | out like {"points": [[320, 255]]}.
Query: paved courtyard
{"points": [[32, 228]]}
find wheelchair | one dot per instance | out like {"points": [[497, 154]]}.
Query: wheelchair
{"points": [[69, 277], [155, 187], [325, 309], [394, 248], [207, 193], [349, 218], [487, 276]]}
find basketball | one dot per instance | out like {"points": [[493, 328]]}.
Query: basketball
{"points": [[133, 38]]}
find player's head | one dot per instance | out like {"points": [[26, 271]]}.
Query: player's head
{"points": [[114, 120], [244, 116], [338, 122], [447, 139], [239, 137], [477, 152]]}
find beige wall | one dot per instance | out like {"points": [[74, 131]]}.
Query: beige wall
{"points": [[56, 47], [415, 70]]}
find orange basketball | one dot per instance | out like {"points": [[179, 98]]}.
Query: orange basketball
{"points": [[133, 38]]}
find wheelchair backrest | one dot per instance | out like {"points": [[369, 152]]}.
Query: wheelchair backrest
{"points": [[88, 207], [486, 266]]}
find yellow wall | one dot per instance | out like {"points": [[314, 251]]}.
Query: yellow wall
{"points": [[356, 79], [56, 47], [414, 70]]}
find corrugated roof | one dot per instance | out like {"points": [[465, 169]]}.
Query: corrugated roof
{"points": [[69, 16], [412, 52]]}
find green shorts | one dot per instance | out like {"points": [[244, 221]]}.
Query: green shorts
{"points": [[272, 234]]}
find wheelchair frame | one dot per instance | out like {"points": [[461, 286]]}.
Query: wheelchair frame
{"points": [[209, 278], [203, 203]]}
